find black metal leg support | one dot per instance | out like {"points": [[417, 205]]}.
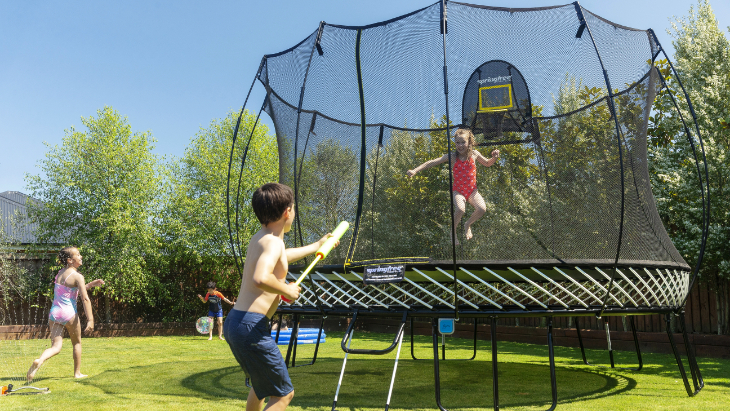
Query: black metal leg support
{"points": [[699, 383], [292, 341], [495, 376], [690, 357], [316, 346], [636, 344], [551, 354], [436, 375]]}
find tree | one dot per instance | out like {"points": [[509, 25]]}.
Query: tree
{"points": [[702, 58], [99, 192], [193, 224]]}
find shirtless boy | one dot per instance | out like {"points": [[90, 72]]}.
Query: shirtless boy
{"points": [[246, 327]]}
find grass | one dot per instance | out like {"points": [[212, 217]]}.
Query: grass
{"points": [[162, 373]]}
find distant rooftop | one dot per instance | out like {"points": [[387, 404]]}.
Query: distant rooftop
{"points": [[13, 203]]}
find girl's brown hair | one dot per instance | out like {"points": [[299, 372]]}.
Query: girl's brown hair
{"points": [[65, 254]]}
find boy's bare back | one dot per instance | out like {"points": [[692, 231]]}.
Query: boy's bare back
{"points": [[265, 255]]}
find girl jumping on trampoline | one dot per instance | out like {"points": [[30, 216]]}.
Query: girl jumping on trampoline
{"points": [[68, 284], [464, 160]]}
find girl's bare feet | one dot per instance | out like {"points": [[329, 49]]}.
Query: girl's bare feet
{"points": [[467, 234], [79, 375], [33, 368]]}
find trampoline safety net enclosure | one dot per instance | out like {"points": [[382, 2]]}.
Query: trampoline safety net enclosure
{"points": [[569, 224]]}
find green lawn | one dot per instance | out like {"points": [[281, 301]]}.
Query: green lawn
{"points": [[162, 373]]}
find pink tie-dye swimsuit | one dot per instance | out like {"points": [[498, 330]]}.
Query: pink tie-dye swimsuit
{"points": [[63, 308]]}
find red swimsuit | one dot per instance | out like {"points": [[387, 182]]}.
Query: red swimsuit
{"points": [[465, 176]]}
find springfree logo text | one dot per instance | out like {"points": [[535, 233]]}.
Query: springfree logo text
{"points": [[498, 79]]}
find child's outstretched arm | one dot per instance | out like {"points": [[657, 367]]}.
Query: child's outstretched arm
{"points": [[96, 283], [201, 298], [294, 254], [86, 302], [487, 162], [428, 164]]}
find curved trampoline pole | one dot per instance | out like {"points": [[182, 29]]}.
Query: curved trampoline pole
{"points": [[612, 108], [704, 188], [230, 164], [444, 30]]}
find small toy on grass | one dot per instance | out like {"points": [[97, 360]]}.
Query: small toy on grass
{"points": [[203, 325]]}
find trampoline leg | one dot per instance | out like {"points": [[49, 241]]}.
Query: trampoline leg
{"points": [[691, 393], [495, 376], [395, 367], [551, 354], [316, 346], [436, 376], [278, 329], [636, 343], [342, 373], [694, 368], [608, 341], [580, 341], [292, 343], [413, 354]]}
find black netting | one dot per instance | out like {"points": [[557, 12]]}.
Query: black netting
{"points": [[525, 83]]}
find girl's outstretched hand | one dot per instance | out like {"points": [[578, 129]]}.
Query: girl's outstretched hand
{"points": [[495, 154], [96, 283]]}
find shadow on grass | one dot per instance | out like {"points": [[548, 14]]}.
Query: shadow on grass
{"points": [[366, 383], [180, 378]]}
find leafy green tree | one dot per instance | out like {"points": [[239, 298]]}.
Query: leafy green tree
{"points": [[193, 224], [702, 58], [99, 191]]}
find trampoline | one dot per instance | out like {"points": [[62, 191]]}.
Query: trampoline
{"points": [[571, 227]]}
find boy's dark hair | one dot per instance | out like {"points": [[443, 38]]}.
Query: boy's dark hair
{"points": [[211, 285], [270, 201]]}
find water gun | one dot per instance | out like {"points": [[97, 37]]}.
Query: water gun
{"points": [[323, 251]]}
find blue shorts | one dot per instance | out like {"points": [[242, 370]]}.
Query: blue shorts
{"points": [[250, 340], [215, 314]]}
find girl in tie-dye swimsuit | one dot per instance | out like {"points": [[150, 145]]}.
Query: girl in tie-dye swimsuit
{"points": [[465, 177], [63, 308], [68, 284]]}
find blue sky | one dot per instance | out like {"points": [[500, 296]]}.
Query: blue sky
{"points": [[171, 67]]}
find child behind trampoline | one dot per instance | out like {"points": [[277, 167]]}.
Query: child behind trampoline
{"points": [[68, 284], [215, 308], [246, 327], [465, 178]]}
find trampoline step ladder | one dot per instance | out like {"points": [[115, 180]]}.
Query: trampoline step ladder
{"points": [[397, 341]]}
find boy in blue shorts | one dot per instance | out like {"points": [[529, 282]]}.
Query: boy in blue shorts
{"points": [[215, 308], [263, 282]]}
